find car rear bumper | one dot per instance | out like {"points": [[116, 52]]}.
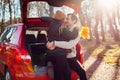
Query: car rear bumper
{"points": [[33, 77], [26, 72]]}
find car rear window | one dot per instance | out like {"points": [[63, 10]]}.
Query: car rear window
{"points": [[40, 8]]}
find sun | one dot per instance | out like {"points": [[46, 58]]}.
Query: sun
{"points": [[107, 4]]}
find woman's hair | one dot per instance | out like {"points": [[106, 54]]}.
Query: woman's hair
{"points": [[73, 17]]}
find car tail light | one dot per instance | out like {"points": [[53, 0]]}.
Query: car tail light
{"points": [[22, 56], [81, 59], [18, 59]]}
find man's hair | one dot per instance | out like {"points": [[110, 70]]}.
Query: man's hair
{"points": [[73, 17], [59, 15]]}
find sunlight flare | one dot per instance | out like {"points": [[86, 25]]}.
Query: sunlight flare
{"points": [[107, 4]]}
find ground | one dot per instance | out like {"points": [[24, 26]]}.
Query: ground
{"points": [[97, 69]]}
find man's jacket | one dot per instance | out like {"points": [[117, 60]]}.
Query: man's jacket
{"points": [[53, 34]]}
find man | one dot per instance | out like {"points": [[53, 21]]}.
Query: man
{"points": [[70, 34], [58, 55]]}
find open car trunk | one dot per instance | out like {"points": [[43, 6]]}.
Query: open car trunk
{"points": [[36, 34], [38, 49], [38, 56], [36, 39]]}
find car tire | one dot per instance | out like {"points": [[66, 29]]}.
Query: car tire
{"points": [[7, 75]]}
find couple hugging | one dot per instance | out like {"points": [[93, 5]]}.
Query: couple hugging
{"points": [[63, 37]]}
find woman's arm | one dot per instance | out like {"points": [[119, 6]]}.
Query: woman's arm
{"points": [[67, 44]]}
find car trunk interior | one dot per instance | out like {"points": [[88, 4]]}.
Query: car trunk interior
{"points": [[38, 53], [35, 39]]}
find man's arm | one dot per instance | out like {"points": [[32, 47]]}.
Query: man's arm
{"points": [[67, 44], [48, 19]]}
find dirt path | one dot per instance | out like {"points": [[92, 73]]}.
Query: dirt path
{"points": [[97, 69]]}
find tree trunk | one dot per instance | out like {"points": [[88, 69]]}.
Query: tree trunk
{"points": [[21, 11], [91, 36], [96, 32], [116, 31], [15, 10], [82, 18], [112, 30], [51, 11], [10, 11], [115, 14], [3, 16], [89, 25], [102, 30]]}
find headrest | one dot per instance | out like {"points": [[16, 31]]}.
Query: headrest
{"points": [[30, 38], [41, 38]]}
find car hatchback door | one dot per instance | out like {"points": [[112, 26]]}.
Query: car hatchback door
{"points": [[75, 4]]}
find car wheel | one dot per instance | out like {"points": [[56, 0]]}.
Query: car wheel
{"points": [[7, 75]]}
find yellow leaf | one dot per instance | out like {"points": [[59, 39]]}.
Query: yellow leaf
{"points": [[85, 32]]}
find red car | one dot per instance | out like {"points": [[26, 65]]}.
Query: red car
{"points": [[23, 50]]}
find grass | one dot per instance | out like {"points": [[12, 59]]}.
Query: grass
{"points": [[109, 51]]}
